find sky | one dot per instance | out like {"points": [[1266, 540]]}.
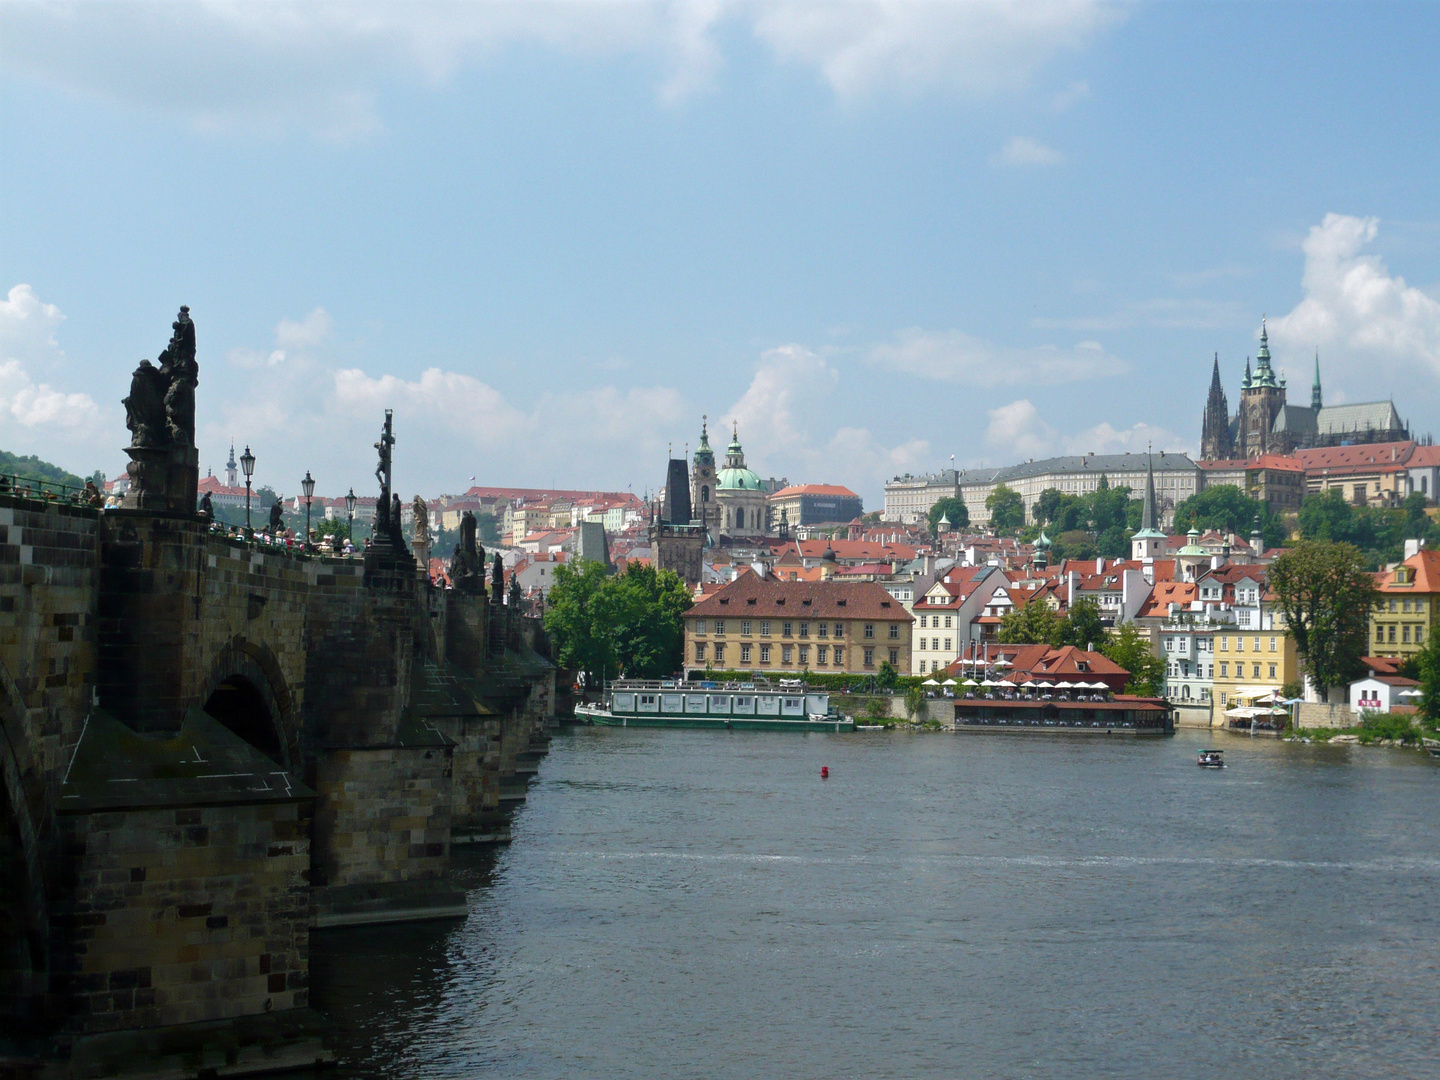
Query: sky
{"points": [[552, 236]]}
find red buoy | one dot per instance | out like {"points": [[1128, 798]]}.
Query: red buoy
{"points": [[824, 772]]}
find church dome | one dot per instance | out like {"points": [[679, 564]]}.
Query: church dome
{"points": [[737, 480]]}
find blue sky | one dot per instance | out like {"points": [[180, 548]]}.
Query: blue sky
{"points": [[552, 236]]}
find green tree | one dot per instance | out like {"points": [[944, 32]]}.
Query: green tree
{"points": [[948, 507], [337, 527], [646, 609], [1225, 508], [1326, 596], [1327, 515], [1031, 624], [887, 676], [1048, 504], [1082, 626], [32, 468], [1427, 671], [1007, 509], [1130, 649], [575, 621]]}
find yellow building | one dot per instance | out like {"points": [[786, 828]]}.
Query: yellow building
{"points": [[765, 625], [1255, 655], [1409, 593]]}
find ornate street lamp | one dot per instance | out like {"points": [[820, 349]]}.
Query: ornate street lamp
{"points": [[350, 517], [308, 485], [247, 463]]}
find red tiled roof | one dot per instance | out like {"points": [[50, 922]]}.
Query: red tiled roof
{"points": [[815, 489], [1277, 462], [1367, 457], [750, 595], [1426, 565]]}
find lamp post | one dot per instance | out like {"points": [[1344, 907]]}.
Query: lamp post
{"points": [[308, 485], [350, 517], [247, 463]]}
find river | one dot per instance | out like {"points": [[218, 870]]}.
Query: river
{"points": [[683, 904]]}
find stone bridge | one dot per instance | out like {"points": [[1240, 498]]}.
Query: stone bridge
{"points": [[212, 746]]}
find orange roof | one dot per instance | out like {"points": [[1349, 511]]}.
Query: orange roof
{"points": [[1426, 566], [1166, 593], [1264, 461], [1367, 457], [862, 550], [1425, 457], [815, 489]]}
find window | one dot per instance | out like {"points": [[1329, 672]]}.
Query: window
{"points": [[1224, 670], [894, 631], [894, 656], [1224, 699], [1419, 634], [839, 656], [1255, 671], [1405, 604], [1379, 634], [1392, 635], [719, 627], [821, 629], [804, 629], [745, 653], [1392, 603], [1257, 644], [869, 629], [922, 622], [947, 621], [1169, 644], [820, 651], [1224, 644], [935, 644], [719, 652], [785, 629], [1272, 644], [839, 630], [745, 628], [764, 654], [1239, 644], [1405, 633], [699, 626], [1272, 671], [947, 644], [785, 653], [699, 652], [869, 657], [804, 654], [765, 628]]}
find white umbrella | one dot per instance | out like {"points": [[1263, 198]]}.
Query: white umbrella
{"points": [[1030, 682], [1002, 662], [1412, 693], [1045, 685], [948, 682], [1064, 686], [969, 682], [929, 682]]}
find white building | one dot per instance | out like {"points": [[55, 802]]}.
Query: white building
{"points": [[1176, 479]]}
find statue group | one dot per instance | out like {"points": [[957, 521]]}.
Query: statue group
{"points": [[160, 413]]}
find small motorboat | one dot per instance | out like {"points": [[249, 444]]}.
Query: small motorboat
{"points": [[1211, 759]]}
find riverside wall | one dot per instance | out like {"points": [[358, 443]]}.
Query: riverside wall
{"points": [[211, 749]]}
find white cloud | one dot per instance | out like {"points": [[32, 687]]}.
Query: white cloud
{"points": [[783, 416], [1017, 432], [954, 356], [223, 64], [1362, 318], [36, 417], [1021, 151]]}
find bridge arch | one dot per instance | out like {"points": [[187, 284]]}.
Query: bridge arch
{"points": [[24, 817], [247, 692]]}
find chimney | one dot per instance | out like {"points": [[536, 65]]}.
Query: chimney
{"points": [[1100, 565]]}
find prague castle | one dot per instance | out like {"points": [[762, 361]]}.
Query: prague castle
{"points": [[1267, 424]]}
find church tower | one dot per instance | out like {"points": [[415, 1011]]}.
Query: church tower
{"points": [[1261, 399], [1148, 544], [702, 478], [232, 481], [1215, 443], [1317, 401]]}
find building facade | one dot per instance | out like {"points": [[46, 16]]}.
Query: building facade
{"points": [[1176, 479], [1401, 625], [739, 495], [814, 504], [1274, 479], [765, 625], [908, 498]]}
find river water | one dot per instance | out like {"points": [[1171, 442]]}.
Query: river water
{"points": [[701, 904]]}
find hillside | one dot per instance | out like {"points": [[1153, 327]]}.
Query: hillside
{"points": [[32, 468]]}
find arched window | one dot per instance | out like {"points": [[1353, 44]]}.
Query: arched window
{"points": [[740, 518], [704, 493]]}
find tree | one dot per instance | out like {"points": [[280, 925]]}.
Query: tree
{"points": [[1326, 596], [1032, 624], [1082, 627], [1007, 509], [626, 624], [32, 468], [948, 507], [1048, 504], [1427, 664], [337, 527], [1130, 649], [1224, 507], [1326, 515], [887, 676]]}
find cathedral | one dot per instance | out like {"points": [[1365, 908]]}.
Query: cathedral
{"points": [[1266, 424]]}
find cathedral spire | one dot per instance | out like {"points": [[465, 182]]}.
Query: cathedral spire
{"points": [[1316, 400], [1149, 542], [1215, 440]]}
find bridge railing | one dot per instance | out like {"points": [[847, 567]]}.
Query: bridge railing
{"points": [[51, 490]]}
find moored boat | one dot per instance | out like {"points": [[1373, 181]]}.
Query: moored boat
{"points": [[753, 706]]}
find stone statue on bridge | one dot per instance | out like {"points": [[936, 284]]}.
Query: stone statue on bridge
{"points": [[497, 581], [422, 520], [160, 413], [383, 472], [277, 518], [467, 566]]}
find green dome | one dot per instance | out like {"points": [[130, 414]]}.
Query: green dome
{"points": [[737, 480]]}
